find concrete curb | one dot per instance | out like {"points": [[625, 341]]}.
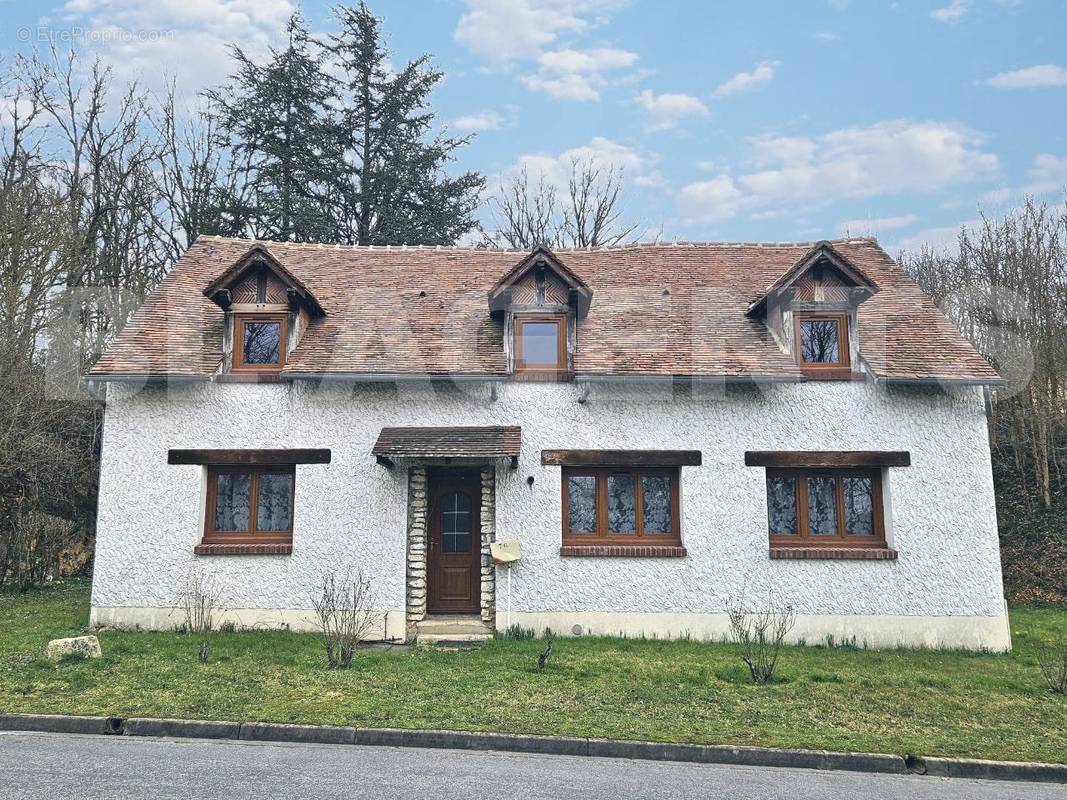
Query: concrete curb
{"points": [[989, 770], [182, 728], [47, 723], [548, 745]]}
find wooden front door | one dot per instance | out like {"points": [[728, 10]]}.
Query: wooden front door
{"points": [[455, 559]]}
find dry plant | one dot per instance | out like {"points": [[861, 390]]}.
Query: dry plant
{"points": [[345, 612], [200, 601], [1052, 658], [761, 635]]}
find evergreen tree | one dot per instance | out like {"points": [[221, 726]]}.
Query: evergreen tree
{"points": [[394, 188], [276, 118]]}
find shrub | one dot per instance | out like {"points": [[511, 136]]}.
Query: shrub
{"points": [[200, 599], [344, 609], [1052, 658], [760, 635], [519, 633]]}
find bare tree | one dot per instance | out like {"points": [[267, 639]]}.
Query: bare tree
{"points": [[78, 252], [345, 609], [589, 214], [203, 185], [1006, 289]]}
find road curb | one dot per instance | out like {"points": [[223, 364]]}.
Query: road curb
{"points": [[547, 745], [182, 728], [49, 723], [989, 770]]}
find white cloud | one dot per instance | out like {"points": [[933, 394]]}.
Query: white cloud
{"points": [[639, 169], [668, 110], [1047, 175], [711, 200], [826, 36], [872, 227], [1049, 167], [744, 81], [944, 239], [479, 121], [503, 31], [187, 40], [1030, 77], [886, 158], [573, 74], [953, 12]]}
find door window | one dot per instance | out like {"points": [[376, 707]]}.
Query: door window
{"points": [[456, 523]]}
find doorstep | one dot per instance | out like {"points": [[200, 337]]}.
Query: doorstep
{"points": [[446, 629]]}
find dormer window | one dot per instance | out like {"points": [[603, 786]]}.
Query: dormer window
{"points": [[810, 309], [822, 342], [540, 302], [259, 341], [541, 344], [267, 310]]}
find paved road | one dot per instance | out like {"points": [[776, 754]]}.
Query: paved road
{"points": [[58, 766]]}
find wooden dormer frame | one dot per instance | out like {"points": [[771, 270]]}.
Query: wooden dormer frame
{"points": [[541, 261], [782, 291], [783, 310], [258, 257]]}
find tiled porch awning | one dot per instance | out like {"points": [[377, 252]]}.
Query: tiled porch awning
{"points": [[438, 444]]}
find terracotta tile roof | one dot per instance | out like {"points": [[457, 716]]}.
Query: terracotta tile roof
{"points": [[487, 442], [662, 309]]}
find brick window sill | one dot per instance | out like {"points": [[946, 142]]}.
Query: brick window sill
{"points": [[834, 553], [243, 549], [623, 551], [251, 376]]}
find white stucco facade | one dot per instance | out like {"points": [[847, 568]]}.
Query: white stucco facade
{"points": [[944, 589]]}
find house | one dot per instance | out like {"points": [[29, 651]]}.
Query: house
{"points": [[666, 429]]}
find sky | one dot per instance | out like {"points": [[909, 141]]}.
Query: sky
{"points": [[754, 121]]}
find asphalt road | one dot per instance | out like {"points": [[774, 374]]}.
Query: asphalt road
{"points": [[59, 766]]}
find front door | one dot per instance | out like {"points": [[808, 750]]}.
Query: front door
{"points": [[455, 559]]}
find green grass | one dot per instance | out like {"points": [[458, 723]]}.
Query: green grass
{"points": [[943, 703]]}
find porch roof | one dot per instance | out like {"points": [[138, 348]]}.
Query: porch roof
{"points": [[488, 442]]}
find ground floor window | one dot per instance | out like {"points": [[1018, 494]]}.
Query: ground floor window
{"points": [[249, 505], [621, 505], [825, 507]]}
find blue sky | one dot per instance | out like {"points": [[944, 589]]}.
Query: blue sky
{"points": [[730, 121]]}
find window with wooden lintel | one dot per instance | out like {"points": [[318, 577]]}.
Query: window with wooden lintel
{"points": [[259, 342], [825, 508], [621, 505], [822, 345], [541, 345], [248, 507]]}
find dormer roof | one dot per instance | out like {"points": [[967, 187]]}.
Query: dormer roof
{"points": [[258, 258], [821, 254], [541, 261]]}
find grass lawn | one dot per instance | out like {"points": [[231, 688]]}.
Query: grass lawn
{"points": [[925, 702]]}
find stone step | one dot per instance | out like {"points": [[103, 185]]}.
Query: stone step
{"points": [[452, 628], [452, 639]]}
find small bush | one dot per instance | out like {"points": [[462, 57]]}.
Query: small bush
{"points": [[200, 599], [345, 612], [518, 633], [761, 635], [1052, 658]]}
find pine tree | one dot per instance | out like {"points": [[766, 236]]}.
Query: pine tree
{"points": [[394, 188], [276, 118]]}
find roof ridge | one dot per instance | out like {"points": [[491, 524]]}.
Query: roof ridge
{"points": [[660, 245]]}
